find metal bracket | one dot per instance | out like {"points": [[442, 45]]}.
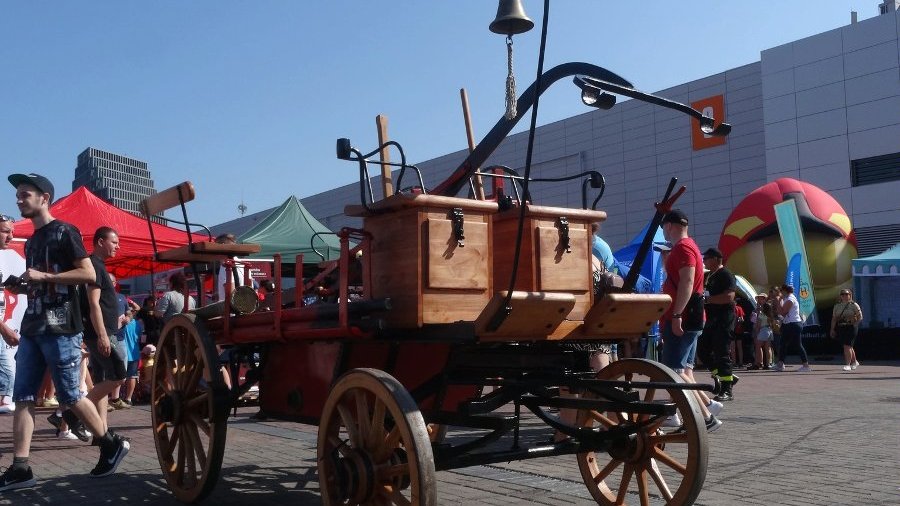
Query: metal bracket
{"points": [[456, 216], [564, 242]]}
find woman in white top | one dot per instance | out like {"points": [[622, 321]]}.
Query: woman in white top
{"points": [[791, 328]]}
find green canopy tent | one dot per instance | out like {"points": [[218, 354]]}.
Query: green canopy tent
{"points": [[291, 230]]}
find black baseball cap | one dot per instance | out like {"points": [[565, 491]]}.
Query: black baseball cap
{"points": [[712, 253], [677, 217], [38, 181]]}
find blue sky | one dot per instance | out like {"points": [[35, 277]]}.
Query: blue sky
{"points": [[246, 99]]}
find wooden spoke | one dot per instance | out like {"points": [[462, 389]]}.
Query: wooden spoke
{"points": [[350, 424], [182, 456], [606, 471], [199, 452], [179, 362], [670, 461], [623, 485], [684, 451], [362, 415], [673, 437], [374, 409], [644, 494], [397, 498], [201, 424], [601, 418], [660, 481]]}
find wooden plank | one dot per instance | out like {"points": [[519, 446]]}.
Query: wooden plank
{"points": [[387, 182], [168, 198], [206, 252], [625, 313], [574, 215], [406, 201], [534, 314], [558, 269], [452, 266]]}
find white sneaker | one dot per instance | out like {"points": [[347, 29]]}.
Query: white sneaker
{"points": [[854, 365], [7, 408], [804, 368], [715, 407], [67, 436], [672, 421], [779, 367], [846, 368]]}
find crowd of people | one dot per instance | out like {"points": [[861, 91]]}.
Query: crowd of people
{"points": [[75, 329], [706, 320]]}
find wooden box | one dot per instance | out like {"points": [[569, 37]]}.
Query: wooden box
{"points": [[545, 263], [418, 260]]}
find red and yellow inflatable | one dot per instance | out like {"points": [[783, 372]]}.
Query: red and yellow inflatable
{"points": [[752, 247]]}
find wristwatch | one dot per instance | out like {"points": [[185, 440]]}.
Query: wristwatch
{"points": [[676, 315]]}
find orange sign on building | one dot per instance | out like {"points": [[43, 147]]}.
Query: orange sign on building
{"points": [[715, 107]]}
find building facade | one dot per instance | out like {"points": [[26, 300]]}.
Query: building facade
{"points": [[824, 109], [117, 179]]}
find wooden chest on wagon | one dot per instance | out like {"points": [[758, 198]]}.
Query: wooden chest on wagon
{"points": [[556, 252], [431, 255]]}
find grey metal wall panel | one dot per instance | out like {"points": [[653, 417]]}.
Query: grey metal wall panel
{"points": [[869, 32], [871, 59], [823, 152], [822, 125], [818, 47], [872, 87], [874, 142], [824, 98], [874, 114]]}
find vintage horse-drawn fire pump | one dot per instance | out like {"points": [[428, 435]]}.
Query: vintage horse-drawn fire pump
{"points": [[454, 295]]}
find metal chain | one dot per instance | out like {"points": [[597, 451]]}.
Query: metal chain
{"points": [[510, 81]]}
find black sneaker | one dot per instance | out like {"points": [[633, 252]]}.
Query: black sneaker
{"points": [[110, 458], [15, 478], [725, 396], [713, 423], [82, 433], [55, 420]]}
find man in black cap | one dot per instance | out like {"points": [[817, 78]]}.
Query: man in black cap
{"points": [[714, 345], [51, 331]]}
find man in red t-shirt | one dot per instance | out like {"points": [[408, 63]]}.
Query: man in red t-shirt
{"points": [[683, 321]]}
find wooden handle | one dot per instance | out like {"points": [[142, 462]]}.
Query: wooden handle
{"points": [[171, 197], [464, 97], [387, 184]]}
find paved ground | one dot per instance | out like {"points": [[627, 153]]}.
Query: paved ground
{"points": [[822, 438]]}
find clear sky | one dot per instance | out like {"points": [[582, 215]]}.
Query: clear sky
{"points": [[246, 99]]}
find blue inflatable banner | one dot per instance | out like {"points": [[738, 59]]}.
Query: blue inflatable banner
{"points": [[797, 274]]}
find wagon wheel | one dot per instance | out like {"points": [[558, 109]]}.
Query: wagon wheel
{"points": [[373, 444], [189, 409], [668, 463]]}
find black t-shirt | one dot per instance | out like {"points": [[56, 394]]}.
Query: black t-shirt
{"points": [[53, 308], [717, 283], [108, 303]]}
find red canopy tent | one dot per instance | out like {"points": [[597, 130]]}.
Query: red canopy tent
{"points": [[88, 212]]}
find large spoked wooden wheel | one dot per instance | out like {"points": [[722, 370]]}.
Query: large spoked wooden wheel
{"points": [[663, 463], [189, 409], [373, 444]]}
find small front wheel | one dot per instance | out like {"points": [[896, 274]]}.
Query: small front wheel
{"points": [[373, 445]]}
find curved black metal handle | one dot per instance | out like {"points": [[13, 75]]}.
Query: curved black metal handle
{"points": [[457, 181]]}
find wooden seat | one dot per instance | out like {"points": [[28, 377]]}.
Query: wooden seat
{"points": [[178, 195], [534, 315], [206, 252], [624, 314]]}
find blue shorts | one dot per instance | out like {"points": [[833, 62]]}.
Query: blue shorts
{"points": [[62, 354], [679, 351], [131, 371]]}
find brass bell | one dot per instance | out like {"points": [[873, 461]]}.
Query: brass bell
{"points": [[511, 18]]}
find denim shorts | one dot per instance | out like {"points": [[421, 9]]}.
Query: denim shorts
{"points": [[131, 371], [62, 354], [679, 351]]}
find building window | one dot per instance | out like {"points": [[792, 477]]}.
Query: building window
{"points": [[875, 169]]}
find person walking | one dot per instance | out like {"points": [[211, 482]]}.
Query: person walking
{"points": [[56, 263], [762, 332], [845, 320], [10, 264], [682, 322], [714, 345], [791, 327]]}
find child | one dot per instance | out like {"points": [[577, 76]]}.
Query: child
{"points": [[131, 331]]}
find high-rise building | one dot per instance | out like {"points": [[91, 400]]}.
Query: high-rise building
{"points": [[117, 179]]}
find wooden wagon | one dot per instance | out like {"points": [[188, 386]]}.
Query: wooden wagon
{"points": [[432, 342]]}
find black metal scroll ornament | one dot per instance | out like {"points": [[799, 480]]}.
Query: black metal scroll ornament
{"points": [[457, 218]]}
